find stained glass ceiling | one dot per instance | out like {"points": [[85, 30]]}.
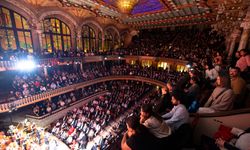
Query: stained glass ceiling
{"points": [[154, 13], [143, 6]]}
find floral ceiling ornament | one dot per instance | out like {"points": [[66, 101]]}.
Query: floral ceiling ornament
{"points": [[229, 16]]}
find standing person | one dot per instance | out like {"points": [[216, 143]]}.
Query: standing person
{"points": [[136, 137], [179, 114]]}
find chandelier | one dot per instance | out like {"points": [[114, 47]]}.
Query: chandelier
{"points": [[126, 6]]}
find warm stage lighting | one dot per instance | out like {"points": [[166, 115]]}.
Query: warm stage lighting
{"points": [[126, 6], [26, 65]]}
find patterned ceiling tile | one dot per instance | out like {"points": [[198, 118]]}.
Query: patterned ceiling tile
{"points": [[148, 6], [144, 6]]}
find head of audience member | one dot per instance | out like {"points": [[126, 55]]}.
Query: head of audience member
{"points": [[169, 87], [146, 111], [193, 80], [177, 97], [223, 80], [243, 52], [133, 125], [237, 54], [234, 72], [209, 65]]}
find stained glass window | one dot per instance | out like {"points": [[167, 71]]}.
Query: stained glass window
{"points": [[88, 38], [56, 35], [108, 43], [15, 33]]}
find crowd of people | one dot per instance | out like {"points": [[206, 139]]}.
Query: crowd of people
{"points": [[27, 135], [212, 84], [82, 124], [28, 84], [65, 100]]}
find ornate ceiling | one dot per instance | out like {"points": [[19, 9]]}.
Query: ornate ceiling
{"points": [[151, 13]]}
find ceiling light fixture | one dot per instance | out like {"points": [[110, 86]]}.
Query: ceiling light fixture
{"points": [[126, 6]]}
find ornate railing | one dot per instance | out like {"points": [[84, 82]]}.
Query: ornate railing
{"points": [[8, 106], [46, 119], [10, 65]]}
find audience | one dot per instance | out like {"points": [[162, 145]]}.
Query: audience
{"points": [[90, 119], [136, 137], [154, 123], [222, 97], [179, 114], [238, 85]]}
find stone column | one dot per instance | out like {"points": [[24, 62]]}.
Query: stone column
{"points": [[78, 41], [45, 71], [103, 40], [244, 37], [40, 39], [81, 67], [246, 31], [233, 38], [74, 38], [36, 31]]}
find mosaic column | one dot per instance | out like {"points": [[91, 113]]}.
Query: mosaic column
{"points": [[36, 32], [74, 37], [233, 38], [246, 31], [45, 71]]}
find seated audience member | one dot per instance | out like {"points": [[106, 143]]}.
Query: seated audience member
{"points": [[222, 97], [242, 141], [194, 90], [136, 137], [164, 102], [153, 123], [238, 86], [244, 61], [179, 114], [210, 74]]}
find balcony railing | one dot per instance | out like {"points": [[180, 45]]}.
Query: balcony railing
{"points": [[10, 65], [8, 106]]}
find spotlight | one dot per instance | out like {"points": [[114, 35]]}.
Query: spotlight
{"points": [[26, 65], [105, 58], [188, 66]]}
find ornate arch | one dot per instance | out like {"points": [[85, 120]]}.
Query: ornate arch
{"points": [[61, 15], [112, 27], [91, 22], [23, 10]]}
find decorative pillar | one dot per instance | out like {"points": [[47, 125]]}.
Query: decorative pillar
{"points": [[246, 31], [45, 71], [40, 38], [103, 40], [36, 31], [81, 68], [78, 39], [74, 37], [233, 38], [244, 37]]}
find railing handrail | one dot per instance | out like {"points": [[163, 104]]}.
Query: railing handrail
{"points": [[64, 107], [5, 107], [222, 113], [10, 65]]}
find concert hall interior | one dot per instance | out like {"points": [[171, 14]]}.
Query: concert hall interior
{"points": [[124, 74]]}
